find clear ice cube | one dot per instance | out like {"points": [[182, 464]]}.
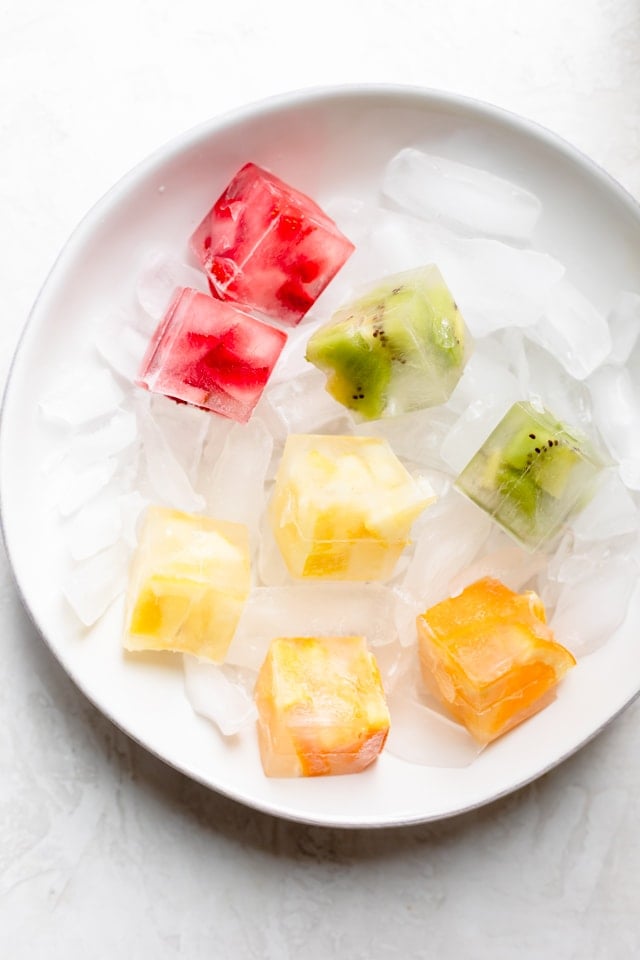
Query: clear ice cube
{"points": [[95, 583], [161, 274], [588, 612], [82, 397], [442, 189], [573, 331], [235, 489], [220, 694], [624, 325], [337, 609]]}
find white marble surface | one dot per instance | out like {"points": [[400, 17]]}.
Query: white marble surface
{"points": [[104, 851]]}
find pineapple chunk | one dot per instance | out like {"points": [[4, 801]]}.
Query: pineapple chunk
{"points": [[189, 581], [343, 507], [321, 707], [489, 656]]}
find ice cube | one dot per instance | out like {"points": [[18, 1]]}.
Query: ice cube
{"points": [[531, 474], [158, 279], [121, 345], [82, 398], [132, 506], [291, 362], [95, 527], [485, 377], [398, 242], [616, 411], [302, 405], [509, 563], [272, 570], [184, 428], [573, 331], [210, 354], [630, 472], [219, 693], [574, 565], [235, 489], [188, 583], [549, 385], [269, 247], [590, 611], [71, 488], [166, 477], [471, 198], [516, 345], [420, 320], [611, 513], [416, 436], [343, 507], [95, 583], [624, 325], [498, 286], [452, 535], [336, 609], [103, 442]]}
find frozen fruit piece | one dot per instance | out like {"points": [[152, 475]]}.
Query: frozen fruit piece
{"points": [[269, 247], [343, 506], [321, 707], [531, 474], [490, 657], [207, 353], [402, 346], [189, 581]]}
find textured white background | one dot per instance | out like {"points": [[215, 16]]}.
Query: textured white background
{"points": [[104, 851]]}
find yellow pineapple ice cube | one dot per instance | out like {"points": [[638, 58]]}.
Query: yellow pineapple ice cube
{"points": [[189, 581], [343, 507]]}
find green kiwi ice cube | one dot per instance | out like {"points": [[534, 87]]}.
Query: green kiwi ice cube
{"points": [[532, 474], [402, 346]]}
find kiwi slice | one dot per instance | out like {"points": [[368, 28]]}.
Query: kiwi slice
{"points": [[358, 369], [543, 449], [412, 343]]}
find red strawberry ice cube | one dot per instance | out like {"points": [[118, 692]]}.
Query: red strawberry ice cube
{"points": [[269, 247], [207, 353]]}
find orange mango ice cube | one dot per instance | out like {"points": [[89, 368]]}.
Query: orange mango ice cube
{"points": [[321, 707], [343, 507], [490, 657], [189, 581]]}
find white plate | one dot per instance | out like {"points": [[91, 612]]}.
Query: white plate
{"points": [[327, 143]]}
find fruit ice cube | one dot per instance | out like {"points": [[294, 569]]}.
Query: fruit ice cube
{"points": [[532, 474], [207, 353], [189, 581], [321, 707], [400, 347], [268, 246], [490, 657], [343, 507]]}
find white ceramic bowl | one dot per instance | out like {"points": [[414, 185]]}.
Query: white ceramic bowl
{"points": [[326, 142]]}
